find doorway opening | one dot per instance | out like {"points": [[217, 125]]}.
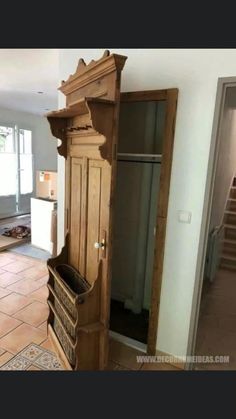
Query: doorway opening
{"points": [[16, 165], [142, 180], [215, 330]]}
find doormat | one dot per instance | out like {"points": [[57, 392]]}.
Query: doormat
{"points": [[22, 221], [33, 356]]}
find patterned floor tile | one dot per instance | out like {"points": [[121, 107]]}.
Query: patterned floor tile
{"points": [[18, 364], [33, 357]]}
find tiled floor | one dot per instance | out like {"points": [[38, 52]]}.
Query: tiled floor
{"points": [[217, 321], [23, 314]]}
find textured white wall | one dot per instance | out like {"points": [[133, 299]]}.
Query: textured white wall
{"points": [[195, 72]]}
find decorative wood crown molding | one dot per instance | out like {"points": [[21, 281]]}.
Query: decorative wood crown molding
{"points": [[88, 73]]}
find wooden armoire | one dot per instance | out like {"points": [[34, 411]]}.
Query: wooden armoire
{"points": [[87, 128]]}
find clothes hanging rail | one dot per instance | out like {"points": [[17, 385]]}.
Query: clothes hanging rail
{"points": [[139, 158]]}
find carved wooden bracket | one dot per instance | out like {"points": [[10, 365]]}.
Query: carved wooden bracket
{"points": [[58, 129], [92, 90], [100, 113]]}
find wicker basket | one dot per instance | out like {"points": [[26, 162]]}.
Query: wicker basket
{"points": [[70, 286], [69, 326], [64, 341]]}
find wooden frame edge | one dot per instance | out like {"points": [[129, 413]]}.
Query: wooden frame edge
{"points": [[171, 97], [162, 208]]}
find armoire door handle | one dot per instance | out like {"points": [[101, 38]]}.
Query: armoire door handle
{"points": [[100, 245]]}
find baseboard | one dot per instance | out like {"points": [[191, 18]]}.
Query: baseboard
{"points": [[128, 341]]}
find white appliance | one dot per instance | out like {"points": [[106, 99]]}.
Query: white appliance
{"points": [[43, 223]]}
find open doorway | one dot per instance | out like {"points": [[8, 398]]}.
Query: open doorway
{"points": [[141, 198], [216, 331]]}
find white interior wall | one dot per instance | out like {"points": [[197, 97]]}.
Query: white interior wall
{"points": [[195, 73], [226, 166], [43, 145]]}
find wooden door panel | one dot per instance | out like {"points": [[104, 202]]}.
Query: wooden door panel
{"points": [[76, 211], [93, 221], [98, 197]]}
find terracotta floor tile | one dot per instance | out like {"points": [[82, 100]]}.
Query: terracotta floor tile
{"points": [[124, 355], [25, 286], [43, 326], [47, 344], [9, 278], [4, 292], [13, 303], [42, 281], [40, 294], [21, 258], [2, 351], [35, 272], [17, 266], [7, 324], [5, 357], [34, 314], [22, 336], [5, 260], [9, 254]]}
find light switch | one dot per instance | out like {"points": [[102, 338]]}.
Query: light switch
{"points": [[184, 216]]}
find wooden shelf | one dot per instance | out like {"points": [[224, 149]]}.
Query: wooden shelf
{"points": [[80, 107]]}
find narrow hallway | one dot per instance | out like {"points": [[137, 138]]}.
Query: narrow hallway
{"points": [[217, 321]]}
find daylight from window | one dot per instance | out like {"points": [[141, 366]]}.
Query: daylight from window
{"points": [[16, 159]]}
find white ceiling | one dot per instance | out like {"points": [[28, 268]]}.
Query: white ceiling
{"points": [[23, 73]]}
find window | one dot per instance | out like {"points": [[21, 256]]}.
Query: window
{"points": [[26, 161], [16, 161], [8, 162]]}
